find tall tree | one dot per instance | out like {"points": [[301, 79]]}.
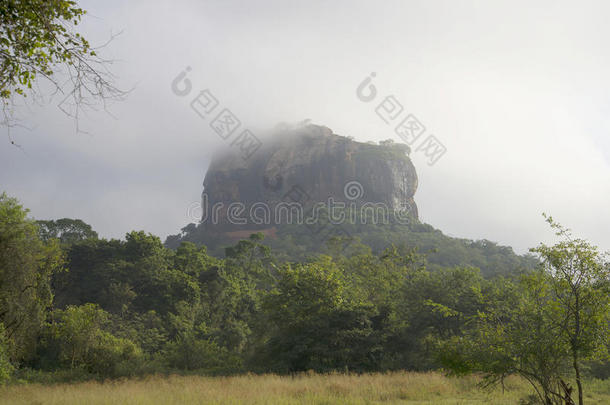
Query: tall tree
{"points": [[516, 334], [67, 230], [26, 265], [547, 325], [579, 277]]}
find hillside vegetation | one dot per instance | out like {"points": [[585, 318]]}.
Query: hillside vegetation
{"points": [[295, 242], [74, 307]]}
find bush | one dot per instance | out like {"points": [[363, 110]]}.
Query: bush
{"points": [[77, 339], [190, 353], [111, 356], [6, 368]]}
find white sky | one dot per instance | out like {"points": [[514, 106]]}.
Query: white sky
{"points": [[519, 93]]}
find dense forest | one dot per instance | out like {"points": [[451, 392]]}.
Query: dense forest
{"points": [[294, 242], [75, 306]]}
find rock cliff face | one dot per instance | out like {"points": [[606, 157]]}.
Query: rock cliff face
{"points": [[307, 165], [310, 165]]}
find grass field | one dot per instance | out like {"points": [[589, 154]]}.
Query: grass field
{"points": [[392, 388]]}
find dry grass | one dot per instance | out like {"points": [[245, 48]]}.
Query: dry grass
{"points": [[391, 388]]}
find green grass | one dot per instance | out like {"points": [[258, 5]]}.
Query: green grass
{"points": [[391, 388]]}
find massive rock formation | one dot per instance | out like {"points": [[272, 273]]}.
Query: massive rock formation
{"points": [[308, 164]]}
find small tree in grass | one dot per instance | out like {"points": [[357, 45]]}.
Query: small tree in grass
{"points": [[579, 279], [544, 325], [514, 335]]}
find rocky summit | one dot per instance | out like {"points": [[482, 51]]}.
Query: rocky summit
{"points": [[307, 165]]}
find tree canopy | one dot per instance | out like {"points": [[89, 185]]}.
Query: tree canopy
{"points": [[99, 308]]}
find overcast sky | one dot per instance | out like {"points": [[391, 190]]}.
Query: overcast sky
{"points": [[517, 91]]}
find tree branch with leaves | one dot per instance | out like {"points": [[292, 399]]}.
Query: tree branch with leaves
{"points": [[38, 39]]}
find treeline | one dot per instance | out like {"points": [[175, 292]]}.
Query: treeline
{"points": [[294, 242], [76, 306]]}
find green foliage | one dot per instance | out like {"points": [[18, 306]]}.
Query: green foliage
{"points": [[556, 319], [133, 307], [26, 265], [316, 323], [135, 274], [388, 151], [513, 337], [66, 230], [36, 35], [296, 242], [189, 353], [579, 277], [79, 338], [6, 368]]}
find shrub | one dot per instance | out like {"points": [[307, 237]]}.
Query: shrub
{"points": [[190, 353], [6, 368]]}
